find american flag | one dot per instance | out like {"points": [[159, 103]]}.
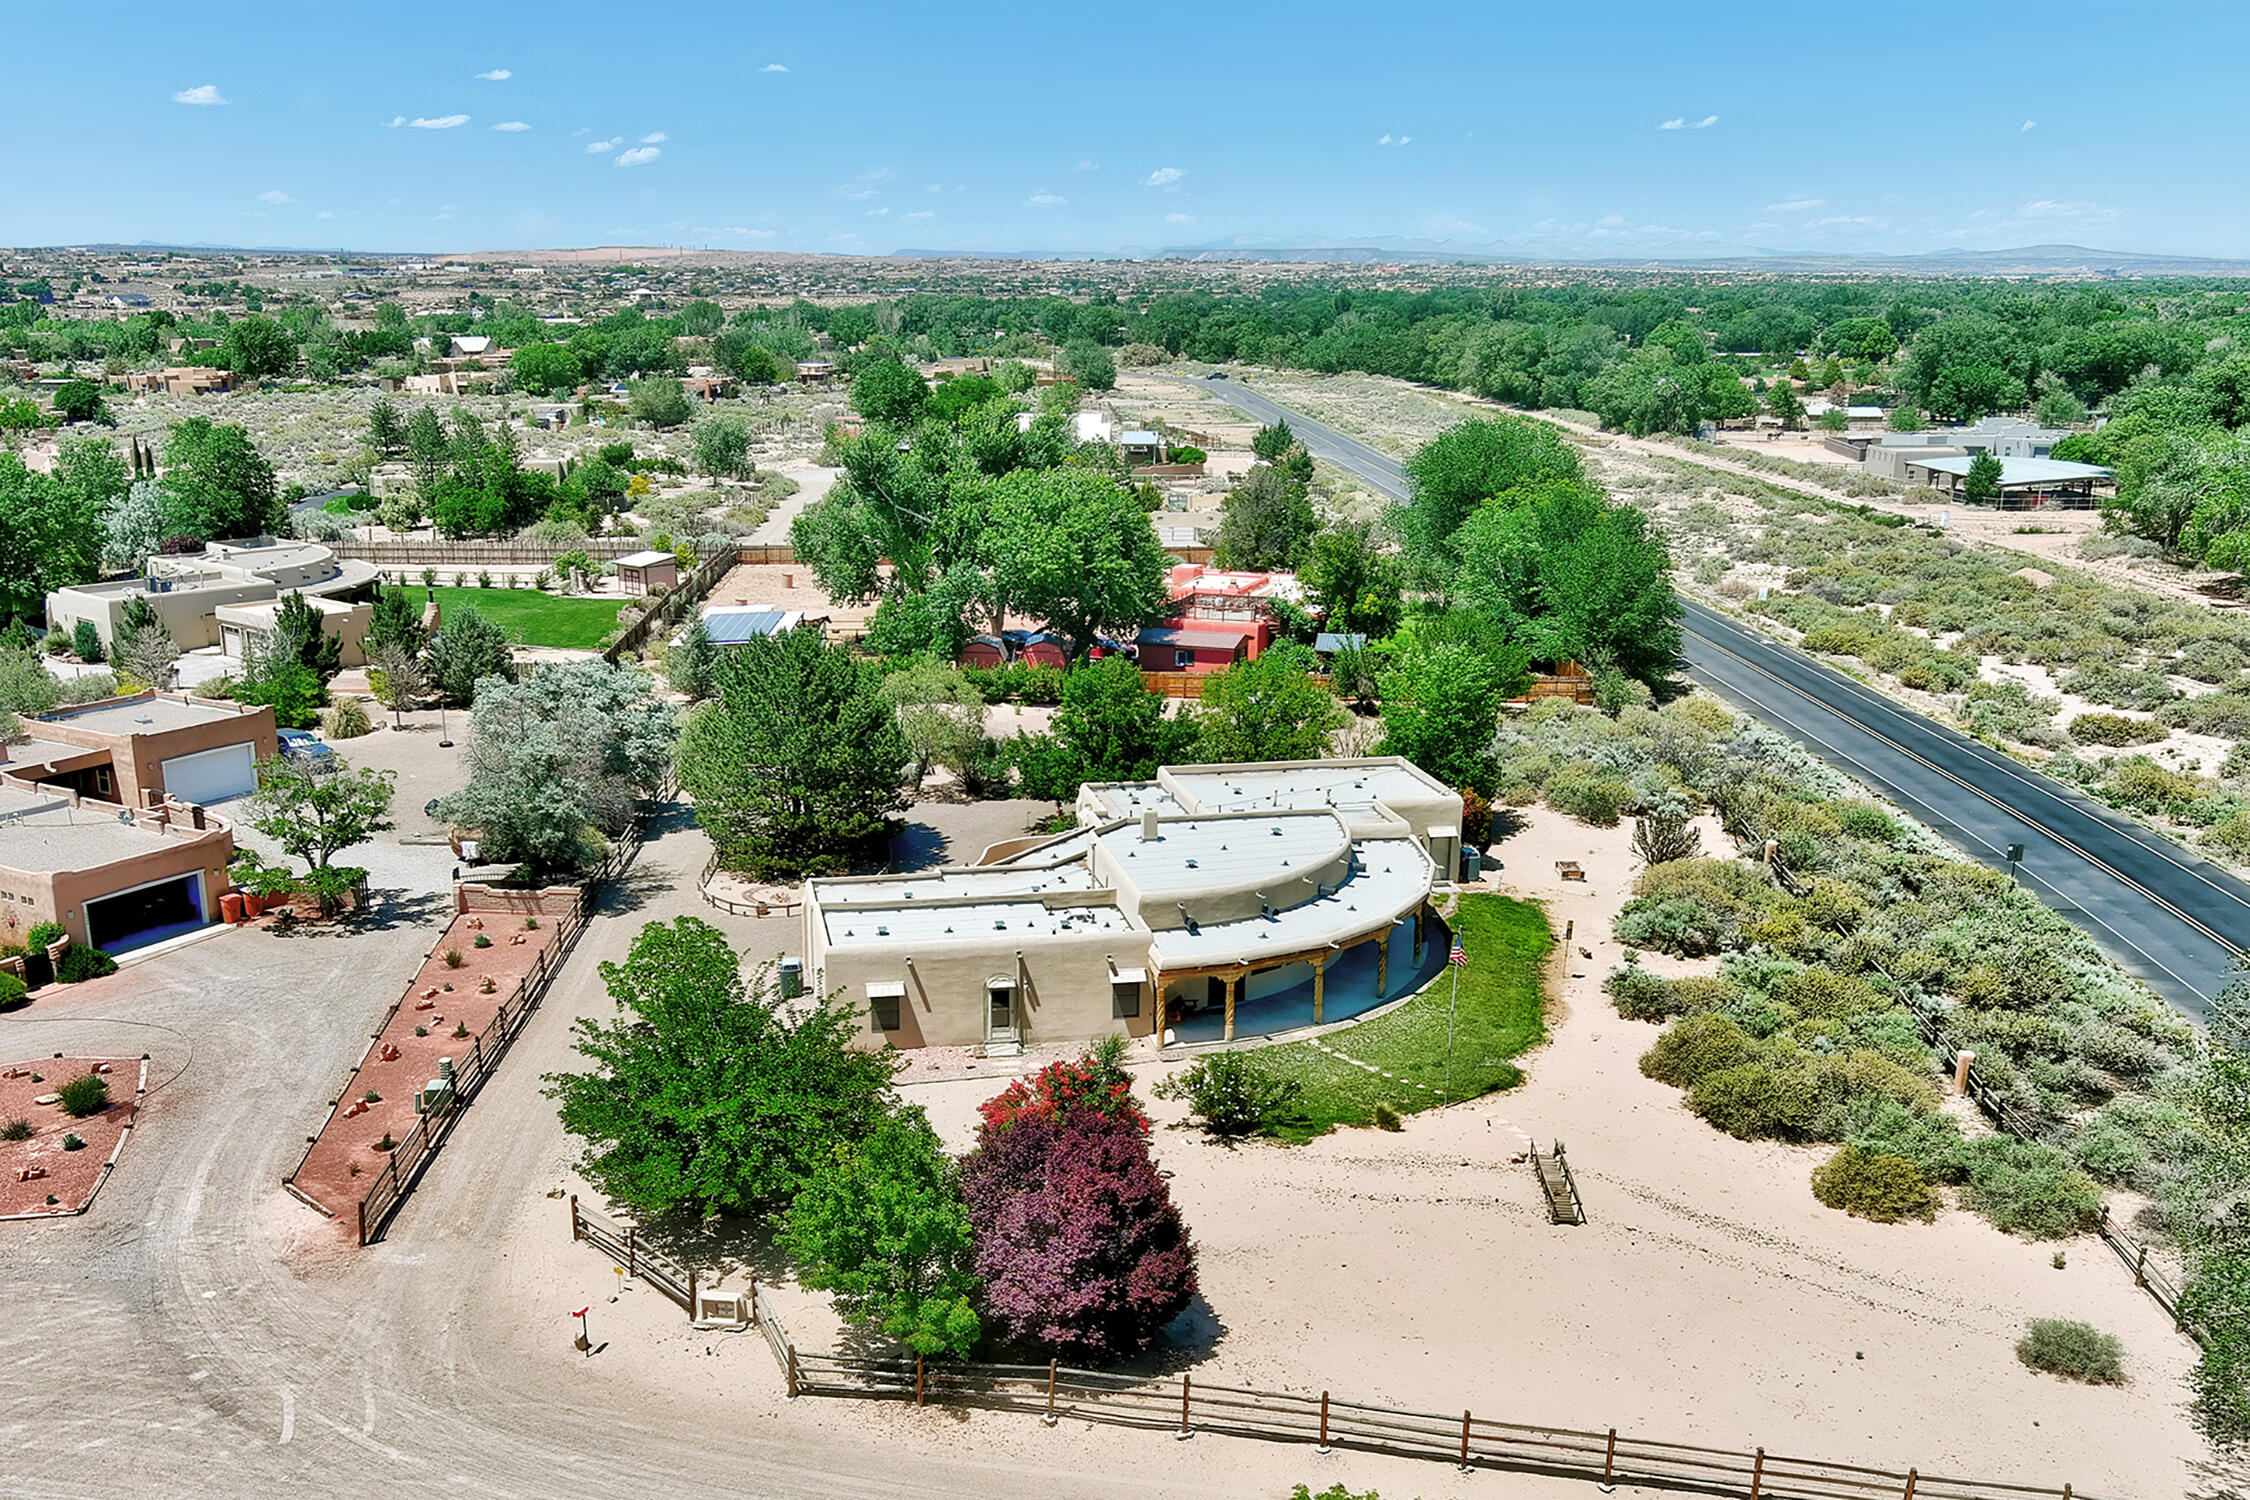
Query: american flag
{"points": [[1459, 955]]}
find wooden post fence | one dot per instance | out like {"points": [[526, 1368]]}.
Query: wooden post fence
{"points": [[1185, 1382], [1758, 1474], [1464, 1442], [1050, 1418], [1322, 1445]]}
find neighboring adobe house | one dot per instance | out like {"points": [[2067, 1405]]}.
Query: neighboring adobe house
{"points": [[242, 625], [137, 751], [188, 591], [114, 879], [1212, 902]]}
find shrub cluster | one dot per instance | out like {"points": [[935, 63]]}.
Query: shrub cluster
{"points": [[1874, 1185], [2075, 1351], [2116, 729]]}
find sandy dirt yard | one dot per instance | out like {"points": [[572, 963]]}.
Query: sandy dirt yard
{"points": [[1709, 1299]]}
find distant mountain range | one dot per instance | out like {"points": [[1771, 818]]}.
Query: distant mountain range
{"points": [[2027, 260]]}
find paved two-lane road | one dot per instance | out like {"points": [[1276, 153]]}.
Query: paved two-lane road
{"points": [[2171, 917]]}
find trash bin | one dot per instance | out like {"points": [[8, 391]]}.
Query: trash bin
{"points": [[792, 978], [1472, 863]]}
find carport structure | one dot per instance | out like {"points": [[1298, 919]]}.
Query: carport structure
{"points": [[2025, 483]]}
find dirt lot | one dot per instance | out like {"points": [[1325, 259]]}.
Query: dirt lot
{"points": [[67, 1176]]}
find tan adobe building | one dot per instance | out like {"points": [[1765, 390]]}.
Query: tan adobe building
{"points": [[115, 879], [1211, 903], [141, 750], [187, 592]]}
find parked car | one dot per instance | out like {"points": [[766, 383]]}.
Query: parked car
{"points": [[303, 744], [1216, 375]]}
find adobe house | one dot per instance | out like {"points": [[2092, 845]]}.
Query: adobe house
{"points": [[138, 751], [188, 591], [114, 881], [1211, 903], [1197, 648]]}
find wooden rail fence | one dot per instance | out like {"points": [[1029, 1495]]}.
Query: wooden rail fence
{"points": [[672, 604], [740, 908], [1187, 1406]]}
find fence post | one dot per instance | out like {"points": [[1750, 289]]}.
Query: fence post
{"points": [[1464, 1442], [1049, 1419], [691, 1296], [1911, 1476], [1758, 1474], [792, 1373], [1322, 1445], [1186, 1383], [632, 1254], [363, 1221], [753, 1302], [577, 1231], [2140, 1269], [1609, 1464], [917, 1380]]}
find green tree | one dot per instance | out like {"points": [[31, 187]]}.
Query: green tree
{"points": [[427, 449], [557, 761], [1442, 699], [396, 676], [1905, 418], [722, 448], [1089, 364], [26, 686], [2055, 405], [80, 401], [395, 620], [315, 811], [1073, 550], [217, 485], [940, 714], [143, 647], [1269, 708], [1115, 726], [1468, 464], [299, 635], [1271, 443], [1354, 585], [660, 402], [881, 1226], [386, 434], [1266, 523], [49, 538], [1782, 400], [467, 648], [547, 369], [1983, 480], [1835, 419], [687, 666], [797, 762], [256, 346], [1571, 577], [706, 1096], [889, 393]]}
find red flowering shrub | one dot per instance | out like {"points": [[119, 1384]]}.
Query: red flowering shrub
{"points": [[1092, 1081], [1078, 1243], [1476, 818]]}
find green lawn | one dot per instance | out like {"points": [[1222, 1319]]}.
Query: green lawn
{"points": [[532, 618], [1503, 1013]]}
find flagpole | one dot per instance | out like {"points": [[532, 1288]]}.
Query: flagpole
{"points": [[1452, 1011]]}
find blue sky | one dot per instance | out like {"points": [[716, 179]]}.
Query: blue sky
{"points": [[1625, 129]]}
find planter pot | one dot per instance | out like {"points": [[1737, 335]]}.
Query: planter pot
{"points": [[231, 906]]}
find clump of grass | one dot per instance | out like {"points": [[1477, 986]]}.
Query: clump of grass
{"points": [[460, 1030], [371, 1097], [531, 924], [1387, 1117], [18, 1129], [421, 1031], [481, 940], [74, 1142], [2073, 1350], [87, 1094], [453, 958]]}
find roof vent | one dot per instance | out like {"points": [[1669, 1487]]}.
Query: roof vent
{"points": [[999, 925], [1277, 830], [1148, 824], [882, 932], [1191, 863]]}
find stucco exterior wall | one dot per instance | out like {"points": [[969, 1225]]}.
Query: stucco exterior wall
{"points": [[29, 897], [137, 760], [1063, 991]]}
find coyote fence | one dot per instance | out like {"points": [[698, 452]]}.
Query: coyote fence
{"points": [[675, 602], [416, 555]]}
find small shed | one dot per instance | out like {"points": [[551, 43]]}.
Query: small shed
{"points": [[1040, 649], [647, 572], [1329, 642], [1206, 649], [985, 651], [1141, 446]]}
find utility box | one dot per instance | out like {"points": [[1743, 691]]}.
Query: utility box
{"points": [[1472, 863], [792, 977]]}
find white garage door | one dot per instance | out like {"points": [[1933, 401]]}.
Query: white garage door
{"points": [[210, 775]]}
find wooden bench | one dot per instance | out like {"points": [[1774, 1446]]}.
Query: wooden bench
{"points": [[1569, 869]]}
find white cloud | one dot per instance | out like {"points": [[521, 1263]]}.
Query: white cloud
{"points": [[935, 187], [1087, 166], [1796, 205], [653, 137], [1045, 199], [858, 192], [202, 93], [275, 195], [877, 213], [438, 122], [755, 234], [497, 75], [1393, 140], [639, 156], [1846, 219], [2028, 126], [1705, 123], [2066, 208], [1163, 177], [596, 148], [325, 214], [773, 68], [1682, 122], [397, 120], [921, 213], [511, 125], [1179, 218]]}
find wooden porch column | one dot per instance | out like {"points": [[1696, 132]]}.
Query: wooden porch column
{"points": [[1319, 984], [1232, 980], [1421, 922], [1382, 963]]}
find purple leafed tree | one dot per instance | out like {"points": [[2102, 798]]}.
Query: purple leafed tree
{"points": [[1078, 1243]]}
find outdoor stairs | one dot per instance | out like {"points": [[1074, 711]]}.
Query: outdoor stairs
{"points": [[1563, 1203]]}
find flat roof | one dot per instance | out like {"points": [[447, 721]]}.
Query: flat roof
{"points": [[152, 715], [46, 834], [44, 753], [1193, 854], [1245, 788], [2016, 471], [991, 881], [981, 919], [1389, 877], [1211, 640]]}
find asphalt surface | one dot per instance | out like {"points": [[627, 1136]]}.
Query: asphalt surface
{"points": [[2167, 915]]}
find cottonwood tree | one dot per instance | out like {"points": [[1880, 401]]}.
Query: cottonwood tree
{"points": [[1269, 708], [941, 715], [217, 484], [707, 1096], [314, 810], [1443, 694], [1266, 523], [1074, 550], [1355, 586], [1470, 463], [881, 1226], [1108, 727], [722, 448], [797, 762], [557, 761]]}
